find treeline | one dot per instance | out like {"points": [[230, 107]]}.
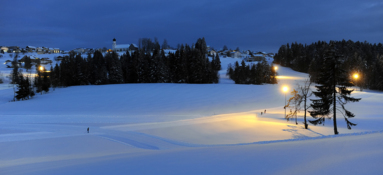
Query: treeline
{"points": [[187, 65], [258, 73], [363, 58]]}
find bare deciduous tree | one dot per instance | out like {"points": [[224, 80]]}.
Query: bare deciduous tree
{"points": [[300, 96]]}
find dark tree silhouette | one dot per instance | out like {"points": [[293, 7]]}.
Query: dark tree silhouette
{"points": [[332, 91]]}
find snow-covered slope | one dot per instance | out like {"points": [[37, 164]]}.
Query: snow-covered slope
{"points": [[182, 129]]}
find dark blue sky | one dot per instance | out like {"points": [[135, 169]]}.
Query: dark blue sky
{"points": [[247, 24]]}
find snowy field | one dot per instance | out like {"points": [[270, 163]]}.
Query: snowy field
{"points": [[183, 129]]}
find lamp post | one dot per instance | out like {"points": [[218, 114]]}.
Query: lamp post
{"points": [[285, 89], [356, 76]]}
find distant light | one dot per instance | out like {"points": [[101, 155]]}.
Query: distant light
{"points": [[275, 68], [41, 68]]}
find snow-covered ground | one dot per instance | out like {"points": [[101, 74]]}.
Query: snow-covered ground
{"points": [[183, 129]]}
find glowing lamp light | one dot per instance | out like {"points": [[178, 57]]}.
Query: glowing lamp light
{"points": [[41, 68], [285, 88], [275, 68], [356, 76]]}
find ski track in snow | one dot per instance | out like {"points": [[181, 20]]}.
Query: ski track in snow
{"points": [[155, 139]]}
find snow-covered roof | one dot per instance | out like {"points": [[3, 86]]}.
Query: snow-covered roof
{"points": [[118, 46], [258, 55], [32, 47]]}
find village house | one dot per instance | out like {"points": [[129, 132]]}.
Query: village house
{"points": [[256, 57], [59, 58], [211, 53], [45, 61], [56, 50], [235, 54], [30, 49], [13, 48], [40, 50], [260, 53], [4, 49]]}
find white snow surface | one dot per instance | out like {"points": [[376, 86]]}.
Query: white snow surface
{"points": [[183, 129]]}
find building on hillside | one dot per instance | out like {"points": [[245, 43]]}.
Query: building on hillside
{"points": [[40, 50], [30, 49], [58, 58], [14, 49], [123, 47], [260, 53], [79, 50], [4, 49], [212, 52], [53, 50], [235, 54], [45, 61], [256, 57]]}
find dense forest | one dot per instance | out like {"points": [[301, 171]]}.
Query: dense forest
{"points": [[258, 73], [186, 65], [363, 58]]}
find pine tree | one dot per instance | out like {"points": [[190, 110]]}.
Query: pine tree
{"points": [[332, 91], [24, 90], [38, 80], [165, 44], [27, 63], [99, 69], [46, 83]]}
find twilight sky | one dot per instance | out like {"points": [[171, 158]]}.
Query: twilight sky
{"points": [[258, 25]]}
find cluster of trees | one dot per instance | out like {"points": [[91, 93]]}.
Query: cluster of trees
{"points": [[258, 73], [332, 92], [187, 65], [24, 85], [147, 44], [363, 58]]}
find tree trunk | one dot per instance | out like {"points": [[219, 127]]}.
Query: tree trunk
{"points": [[305, 115], [334, 104], [334, 108]]}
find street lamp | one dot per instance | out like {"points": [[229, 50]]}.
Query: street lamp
{"points": [[356, 76], [275, 68], [41, 68], [285, 89]]}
